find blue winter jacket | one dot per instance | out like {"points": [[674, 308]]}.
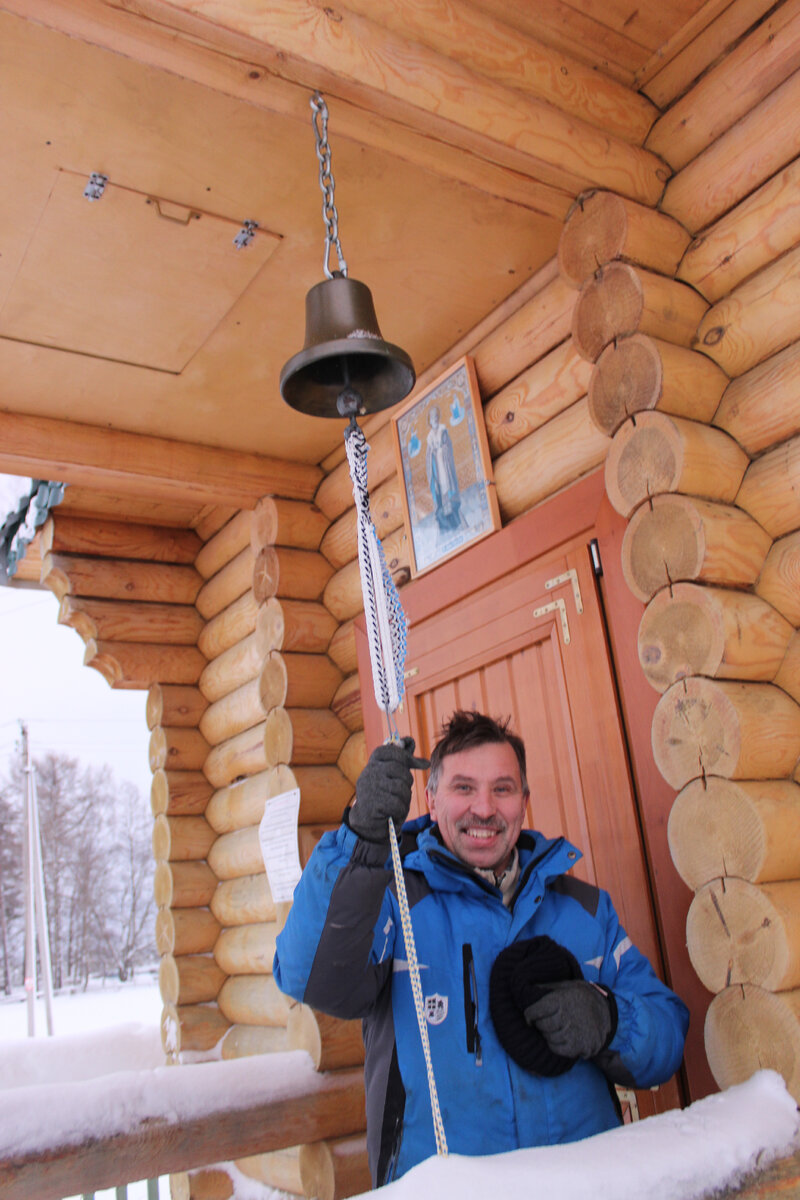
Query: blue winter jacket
{"points": [[342, 952]]}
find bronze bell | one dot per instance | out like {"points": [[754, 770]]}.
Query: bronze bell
{"points": [[344, 351]]}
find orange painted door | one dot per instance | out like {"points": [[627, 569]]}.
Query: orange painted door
{"points": [[532, 646]]}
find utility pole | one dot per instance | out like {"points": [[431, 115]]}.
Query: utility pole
{"points": [[35, 907]]}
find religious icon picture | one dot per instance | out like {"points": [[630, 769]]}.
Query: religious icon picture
{"points": [[449, 499]]}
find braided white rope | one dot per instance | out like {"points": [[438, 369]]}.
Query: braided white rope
{"points": [[416, 988], [386, 635], [386, 623]]}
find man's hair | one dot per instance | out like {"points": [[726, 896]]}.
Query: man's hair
{"points": [[465, 730]]}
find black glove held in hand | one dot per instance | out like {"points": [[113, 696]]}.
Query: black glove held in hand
{"points": [[383, 790], [577, 1019]]}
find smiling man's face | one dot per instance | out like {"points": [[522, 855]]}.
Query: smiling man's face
{"points": [[479, 804]]}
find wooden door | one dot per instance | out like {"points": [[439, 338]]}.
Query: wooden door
{"points": [[531, 646]]}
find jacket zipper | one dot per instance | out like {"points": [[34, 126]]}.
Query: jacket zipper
{"points": [[471, 1004]]}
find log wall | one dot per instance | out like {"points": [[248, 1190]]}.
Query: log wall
{"points": [[704, 464]]}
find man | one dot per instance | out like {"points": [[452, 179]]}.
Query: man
{"points": [[536, 1000]]}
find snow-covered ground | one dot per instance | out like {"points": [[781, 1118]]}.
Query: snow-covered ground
{"points": [[113, 1030]]}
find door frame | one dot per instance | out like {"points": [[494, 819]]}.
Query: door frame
{"points": [[584, 510]]}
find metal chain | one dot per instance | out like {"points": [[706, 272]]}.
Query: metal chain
{"points": [[319, 122]]}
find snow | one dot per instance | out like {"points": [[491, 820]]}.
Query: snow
{"points": [[94, 1080]]}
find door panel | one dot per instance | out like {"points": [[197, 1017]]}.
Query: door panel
{"points": [[490, 651]]}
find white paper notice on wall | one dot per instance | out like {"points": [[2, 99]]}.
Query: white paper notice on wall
{"points": [[277, 834]]}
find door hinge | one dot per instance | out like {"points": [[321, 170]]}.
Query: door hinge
{"points": [[560, 607], [570, 576], [245, 235]]}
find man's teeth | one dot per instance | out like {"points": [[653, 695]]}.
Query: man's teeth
{"points": [[481, 833]]}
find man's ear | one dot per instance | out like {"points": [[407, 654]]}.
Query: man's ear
{"points": [[430, 799]]}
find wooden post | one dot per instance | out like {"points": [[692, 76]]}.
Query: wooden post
{"points": [[737, 730], [762, 407], [553, 456], [637, 373], [749, 1029], [682, 538], [740, 932], [621, 299], [653, 453], [602, 227], [745, 828], [717, 632]]}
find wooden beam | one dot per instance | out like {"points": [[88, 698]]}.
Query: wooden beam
{"points": [[235, 67], [490, 47], [353, 59], [304, 1106], [133, 463]]}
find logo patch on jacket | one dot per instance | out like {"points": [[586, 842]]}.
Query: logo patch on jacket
{"points": [[435, 1008]]}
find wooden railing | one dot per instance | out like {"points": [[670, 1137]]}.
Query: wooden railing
{"points": [[217, 1113]]}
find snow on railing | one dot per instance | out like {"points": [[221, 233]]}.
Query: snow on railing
{"points": [[61, 1140]]}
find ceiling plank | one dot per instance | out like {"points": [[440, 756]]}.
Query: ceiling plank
{"points": [[492, 48], [417, 86], [236, 67], [156, 468]]}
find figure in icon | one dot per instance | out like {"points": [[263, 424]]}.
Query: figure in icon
{"points": [[440, 465]]}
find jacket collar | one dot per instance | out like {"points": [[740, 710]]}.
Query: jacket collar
{"points": [[540, 858]]}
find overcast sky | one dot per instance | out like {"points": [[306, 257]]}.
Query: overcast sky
{"points": [[69, 708]]}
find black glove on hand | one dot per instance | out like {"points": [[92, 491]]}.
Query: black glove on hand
{"points": [[383, 790], [577, 1019]]}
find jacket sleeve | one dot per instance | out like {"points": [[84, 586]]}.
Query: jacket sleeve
{"points": [[647, 1048], [335, 951]]}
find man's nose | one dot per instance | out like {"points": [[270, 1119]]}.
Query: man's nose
{"points": [[483, 802]]}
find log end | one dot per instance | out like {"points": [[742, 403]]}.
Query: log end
{"points": [[628, 378], [609, 306], [748, 1029], [663, 541], [593, 234], [679, 636]]}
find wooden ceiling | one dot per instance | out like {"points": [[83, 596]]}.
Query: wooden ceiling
{"points": [[461, 132]]}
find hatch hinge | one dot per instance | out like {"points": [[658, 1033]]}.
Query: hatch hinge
{"points": [[245, 235], [96, 186]]}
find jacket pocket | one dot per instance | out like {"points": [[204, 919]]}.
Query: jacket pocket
{"points": [[471, 1004]]}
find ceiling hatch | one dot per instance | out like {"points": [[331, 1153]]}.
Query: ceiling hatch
{"points": [[128, 276]]}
